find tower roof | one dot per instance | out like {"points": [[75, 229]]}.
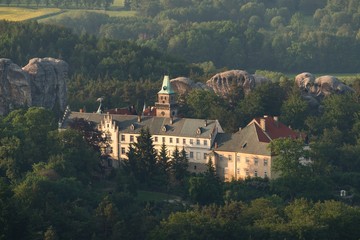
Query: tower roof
{"points": [[166, 86]]}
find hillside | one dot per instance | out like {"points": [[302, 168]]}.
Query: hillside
{"points": [[285, 36]]}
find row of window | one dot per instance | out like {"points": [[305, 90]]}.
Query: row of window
{"points": [[247, 160], [247, 173], [171, 140], [192, 155]]}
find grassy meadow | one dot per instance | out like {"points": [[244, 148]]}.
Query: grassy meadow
{"points": [[31, 13], [21, 14]]}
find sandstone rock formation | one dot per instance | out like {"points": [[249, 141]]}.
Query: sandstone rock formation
{"points": [[183, 85], [40, 83], [15, 87], [305, 81], [48, 78], [223, 82], [314, 89]]}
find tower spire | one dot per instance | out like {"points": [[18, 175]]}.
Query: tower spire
{"points": [[166, 86]]}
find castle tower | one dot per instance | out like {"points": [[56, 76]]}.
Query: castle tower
{"points": [[166, 105]]}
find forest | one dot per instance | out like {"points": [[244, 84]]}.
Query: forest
{"points": [[277, 35], [55, 184]]}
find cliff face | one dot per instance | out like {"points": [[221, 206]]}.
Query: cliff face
{"points": [[42, 82]]}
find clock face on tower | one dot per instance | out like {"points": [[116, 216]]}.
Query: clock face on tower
{"points": [[164, 87]]}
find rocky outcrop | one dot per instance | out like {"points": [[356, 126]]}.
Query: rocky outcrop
{"points": [[42, 82], [183, 85], [222, 83], [314, 89], [48, 78], [15, 89]]}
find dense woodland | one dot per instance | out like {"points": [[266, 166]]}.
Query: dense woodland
{"points": [[278, 35], [56, 184]]}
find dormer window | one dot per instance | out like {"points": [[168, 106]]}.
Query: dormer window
{"points": [[198, 131], [132, 127], [163, 128]]}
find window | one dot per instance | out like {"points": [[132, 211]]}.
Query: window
{"points": [[177, 140], [123, 150], [184, 141], [247, 172], [265, 162], [170, 140], [191, 155], [197, 141], [229, 157], [238, 158], [155, 139], [265, 174], [256, 161], [163, 139], [205, 156], [191, 141], [238, 170], [194, 167], [161, 97], [107, 125], [122, 137], [131, 138], [255, 173], [205, 143], [197, 156], [247, 160]]}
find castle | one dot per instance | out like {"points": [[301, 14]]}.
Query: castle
{"points": [[235, 155]]}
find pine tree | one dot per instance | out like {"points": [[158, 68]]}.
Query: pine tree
{"points": [[163, 161], [179, 164], [142, 157]]}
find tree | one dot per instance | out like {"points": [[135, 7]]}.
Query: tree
{"points": [[179, 165], [289, 153], [142, 157], [206, 188], [163, 163], [294, 110]]}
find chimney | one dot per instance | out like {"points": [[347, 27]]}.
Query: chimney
{"points": [[205, 123], [216, 145], [81, 110], [171, 120], [139, 118], [276, 120], [240, 129], [263, 124]]}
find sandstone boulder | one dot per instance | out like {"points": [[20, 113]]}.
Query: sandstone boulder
{"points": [[48, 78], [42, 83], [222, 83], [314, 89], [15, 89], [183, 85], [326, 85]]}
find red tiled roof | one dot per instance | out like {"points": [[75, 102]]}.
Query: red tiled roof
{"points": [[273, 129], [122, 111], [150, 111], [261, 135]]}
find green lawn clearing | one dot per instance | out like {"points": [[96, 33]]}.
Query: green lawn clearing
{"points": [[22, 14]]}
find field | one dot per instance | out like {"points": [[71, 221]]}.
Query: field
{"points": [[22, 14]]}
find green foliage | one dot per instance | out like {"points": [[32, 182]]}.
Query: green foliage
{"points": [[206, 188], [142, 158]]}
